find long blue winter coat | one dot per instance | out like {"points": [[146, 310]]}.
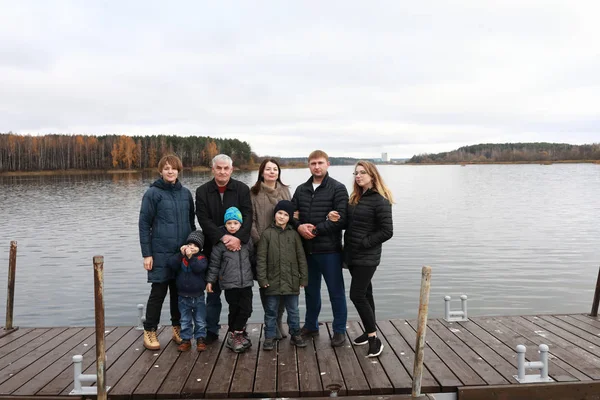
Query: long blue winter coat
{"points": [[166, 219]]}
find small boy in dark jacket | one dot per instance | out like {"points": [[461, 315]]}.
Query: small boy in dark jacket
{"points": [[282, 270], [234, 272], [190, 268]]}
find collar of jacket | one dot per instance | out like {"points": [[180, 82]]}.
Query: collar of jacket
{"points": [[213, 187], [309, 182], [162, 184], [287, 227]]}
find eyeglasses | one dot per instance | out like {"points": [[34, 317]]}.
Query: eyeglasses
{"points": [[359, 172]]}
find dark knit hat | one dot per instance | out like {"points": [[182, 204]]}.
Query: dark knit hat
{"points": [[233, 213], [286, 206], [196, 237]]}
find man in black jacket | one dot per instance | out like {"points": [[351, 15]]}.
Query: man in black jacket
{"points": [[212, 199], [322, 240]]}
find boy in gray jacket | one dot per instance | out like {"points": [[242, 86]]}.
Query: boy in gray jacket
{"points": [[233, 271]]}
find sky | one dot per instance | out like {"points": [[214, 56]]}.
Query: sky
{"points": [[353, 78]]}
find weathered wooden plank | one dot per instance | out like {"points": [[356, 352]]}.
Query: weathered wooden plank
{"points": [[329, 369], [580, 325], [265, 384], [440, 371], [406, 356], [500, 364], [587, 319], [34, 350], [129, 370], [468, 355], [218, 386], [567, 331], [308, 370], [533, 391], [173, 384], [201, 374], [65, 378], [372, 368], [152, 381], [578, 358], [558, 370], [32, 341], [45, 372], [243, 378], [10, 336], [356, 382], [128, 346], [287, 368]]}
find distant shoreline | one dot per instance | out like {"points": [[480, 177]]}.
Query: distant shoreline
{"points": [[255, 167]]}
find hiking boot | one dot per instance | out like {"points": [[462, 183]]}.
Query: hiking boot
{"points": [[211, 337], [238, 342], [177, 334], [308, 332], [269, 344], [151, 341], [361, 340], [185, 345], [200, 345], [246, 340], [229, 341], [338, 339], [375, 347], [280, 331], [298, 341]]}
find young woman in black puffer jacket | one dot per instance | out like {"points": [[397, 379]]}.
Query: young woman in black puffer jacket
{"points": [[369, 224]]}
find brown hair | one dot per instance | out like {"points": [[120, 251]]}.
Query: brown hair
{"points": [[379, 185], [318, 154], [261, 170], [172, 160]]}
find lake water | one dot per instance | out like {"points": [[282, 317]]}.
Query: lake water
{"points": [[517, 239]]}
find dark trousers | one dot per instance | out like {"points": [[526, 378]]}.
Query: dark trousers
{"points": [[361, 294], [158, 292], [213, 309], [240, 307]]}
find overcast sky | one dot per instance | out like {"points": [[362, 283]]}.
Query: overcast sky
{"points": [[352, 78]]}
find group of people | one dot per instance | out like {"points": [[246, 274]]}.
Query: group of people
{"points": [[262, 233]]}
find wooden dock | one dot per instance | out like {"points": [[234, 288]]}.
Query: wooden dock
{"points": [[461, 357]]}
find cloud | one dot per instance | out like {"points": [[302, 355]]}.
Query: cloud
{"points": [[351, 78]]}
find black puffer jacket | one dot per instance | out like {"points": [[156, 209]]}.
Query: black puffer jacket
{"points": [[369, 225], [314, 205]]}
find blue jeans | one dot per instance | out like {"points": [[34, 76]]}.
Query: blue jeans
{"points": [[213, 309], [193, 317], [271, 310], [329, 266]]}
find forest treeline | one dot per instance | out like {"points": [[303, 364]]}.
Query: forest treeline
{"points": [[61, 152], [514, 152]]}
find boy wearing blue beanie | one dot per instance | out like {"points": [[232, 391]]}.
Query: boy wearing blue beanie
{"points": [[233, 271]]}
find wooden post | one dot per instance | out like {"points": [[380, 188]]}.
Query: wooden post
{"points": [[10, 294], [421, 330], [594, 312], [99, 312]]}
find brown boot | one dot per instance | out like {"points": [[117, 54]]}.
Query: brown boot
{"points": [[177, 334], [185, 346], [200, 345], [151, 341]]}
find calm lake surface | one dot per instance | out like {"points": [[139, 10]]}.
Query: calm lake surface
{"points": [[517, 239]]}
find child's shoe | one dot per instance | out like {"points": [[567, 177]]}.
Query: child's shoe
{"points": [[177, 334], [246, 340], [185, 345], [269, 344], [229, 341], [151, 341], [298, 341], [238, 342], [200, 345]]}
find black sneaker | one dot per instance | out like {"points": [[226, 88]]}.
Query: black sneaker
{"points": [[309, 332], [211, 337], [269, 344], [375, 347], [338, 339], [361, 340], [298, 341]]}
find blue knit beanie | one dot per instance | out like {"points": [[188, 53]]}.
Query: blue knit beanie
{"points": [[233, 213]]}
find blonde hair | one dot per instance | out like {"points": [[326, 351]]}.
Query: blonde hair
{"points": [[318, 154], [379, 185]]}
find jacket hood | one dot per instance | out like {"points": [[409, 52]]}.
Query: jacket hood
{"points": [[161, 184]]}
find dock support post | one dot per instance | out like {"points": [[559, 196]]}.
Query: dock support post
{"points": [[141, 318], [10, 294], [99, 311], [596, 301], [421, 331]]}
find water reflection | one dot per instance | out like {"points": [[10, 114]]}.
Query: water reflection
{"points": [[515, 238]]}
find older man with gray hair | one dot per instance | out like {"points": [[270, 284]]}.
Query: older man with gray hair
{"points": [[212, 199]]}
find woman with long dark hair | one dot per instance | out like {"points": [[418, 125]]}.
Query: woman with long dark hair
{"points": [[369, 224], [265, 194]]}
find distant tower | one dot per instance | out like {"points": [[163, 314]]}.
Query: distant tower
{"points": [[384, 157]]}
